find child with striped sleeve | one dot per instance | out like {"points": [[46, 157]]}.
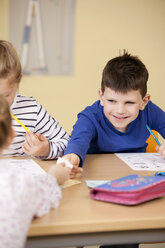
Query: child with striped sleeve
{"points": [[46, 138]]}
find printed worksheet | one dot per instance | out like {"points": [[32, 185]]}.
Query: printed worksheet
{"points": [[28, 165], [143, 161]]}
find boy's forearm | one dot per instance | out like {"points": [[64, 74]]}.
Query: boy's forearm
{"points": [[82, 135], [56, 135], [55, 150]]}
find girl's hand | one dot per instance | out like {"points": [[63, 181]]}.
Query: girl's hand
{"points": [[60, 172], [36, 145]]}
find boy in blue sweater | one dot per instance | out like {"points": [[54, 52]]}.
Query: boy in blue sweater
{"points": [[117, 122]]}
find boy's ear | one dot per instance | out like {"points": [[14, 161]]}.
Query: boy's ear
{"points": [[101, 96], [145, 101]]}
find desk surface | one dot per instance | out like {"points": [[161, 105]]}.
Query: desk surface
{"points": [[78, 214]]}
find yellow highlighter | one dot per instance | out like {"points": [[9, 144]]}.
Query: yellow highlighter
{"points": [[15, 118]]}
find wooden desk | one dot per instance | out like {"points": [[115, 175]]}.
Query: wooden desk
{"points": [[82, 221]]}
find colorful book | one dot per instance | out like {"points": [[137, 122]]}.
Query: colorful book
{"points": [[130, 190]]}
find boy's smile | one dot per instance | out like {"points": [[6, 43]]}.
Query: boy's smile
{"points": [[122, 108]]}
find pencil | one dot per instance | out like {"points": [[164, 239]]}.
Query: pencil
{"points": [[149, 129], [27, 130]]}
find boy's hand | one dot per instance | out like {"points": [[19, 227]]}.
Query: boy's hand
{"points": [[72, 158], [75, 160], [60, 172], [36, 145], [161, 150]]}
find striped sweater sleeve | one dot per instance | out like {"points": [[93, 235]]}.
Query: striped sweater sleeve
{"points": [[51, 129], [37, 120]]}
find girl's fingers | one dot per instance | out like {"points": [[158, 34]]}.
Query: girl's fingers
{"points": [[31, 139]]}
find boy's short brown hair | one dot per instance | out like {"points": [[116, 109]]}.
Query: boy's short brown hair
{"points": [[10, 66], [125, 73]]}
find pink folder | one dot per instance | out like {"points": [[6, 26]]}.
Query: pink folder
{"points": [[130, 190]]}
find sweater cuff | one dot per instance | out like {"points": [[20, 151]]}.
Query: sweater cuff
{"points": [[74, 148]]}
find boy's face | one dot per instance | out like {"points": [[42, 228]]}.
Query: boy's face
{"points": [[8, 89], [122, 108]]}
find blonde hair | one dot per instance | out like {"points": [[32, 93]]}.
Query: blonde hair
{"points": [[5, 121], [10, 66]]}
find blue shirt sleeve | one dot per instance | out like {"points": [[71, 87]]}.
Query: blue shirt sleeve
{"points": [[83, 132]]}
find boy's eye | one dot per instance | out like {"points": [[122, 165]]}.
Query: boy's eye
{"points": [[111, 101], [129, 102]]}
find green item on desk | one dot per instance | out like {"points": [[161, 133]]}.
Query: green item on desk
{"points": [[94, 183]]}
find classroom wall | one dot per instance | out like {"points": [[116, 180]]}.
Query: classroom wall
{"points": [[102, 29]]}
